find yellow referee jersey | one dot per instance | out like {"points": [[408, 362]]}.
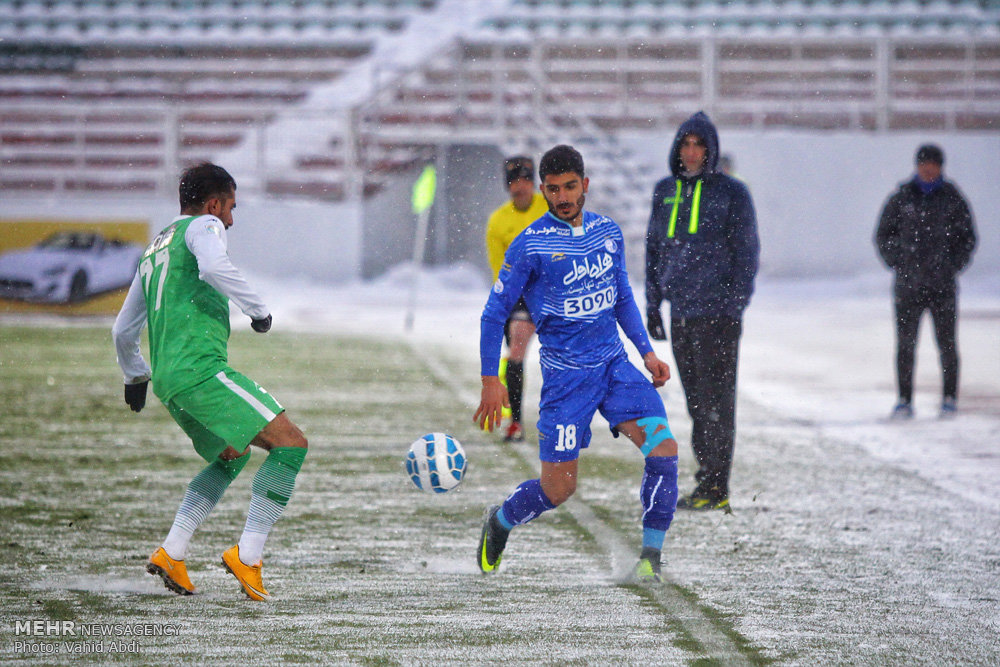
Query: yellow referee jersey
{"points": [[506, 223]]}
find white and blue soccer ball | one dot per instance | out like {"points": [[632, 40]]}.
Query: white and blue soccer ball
{"points": [[436, 463]]}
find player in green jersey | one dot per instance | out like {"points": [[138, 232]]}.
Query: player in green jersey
{"points": [[182, 290]]}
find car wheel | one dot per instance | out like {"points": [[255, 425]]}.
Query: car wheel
{"points": [[78, 288]]}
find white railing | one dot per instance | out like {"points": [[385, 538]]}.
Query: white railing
{"points": [[138, 148], [511, 96]]}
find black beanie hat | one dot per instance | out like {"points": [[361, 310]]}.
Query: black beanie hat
{"points": [[518, 167], [930, 153]]}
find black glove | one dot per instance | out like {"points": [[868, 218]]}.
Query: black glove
{"points": [[654, 323], [262, 325], [135, 395]]}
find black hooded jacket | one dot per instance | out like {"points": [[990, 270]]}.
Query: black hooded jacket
{"points": [[927, 239], [706, 265]]}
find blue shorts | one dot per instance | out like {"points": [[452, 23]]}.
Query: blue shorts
{"points": [[571, 397]]}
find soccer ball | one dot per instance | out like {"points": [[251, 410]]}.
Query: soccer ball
{"points": [[436, 463]]}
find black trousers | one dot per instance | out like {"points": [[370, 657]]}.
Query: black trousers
{"points": [[515, 369], [911, 302], [706, 350]]}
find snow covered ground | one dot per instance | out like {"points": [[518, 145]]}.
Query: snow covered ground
{"points": [[849, 530], [819, 352], [854, 540]]}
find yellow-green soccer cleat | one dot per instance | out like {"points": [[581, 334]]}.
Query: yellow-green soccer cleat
{"points": [[173, 572], [249, 576], [492, 541], [701, 503], [647, 572]]}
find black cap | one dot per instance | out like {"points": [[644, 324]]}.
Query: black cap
{"points": [[518, 167], [930, 153]]}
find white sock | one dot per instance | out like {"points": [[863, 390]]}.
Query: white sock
{"points": [[202, 494], [272, 486], [252, 547]]}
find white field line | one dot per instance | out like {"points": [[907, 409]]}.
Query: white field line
{"points": [[700, 627]]}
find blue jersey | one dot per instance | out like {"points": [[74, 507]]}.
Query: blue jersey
{"points": [[577, 290]]}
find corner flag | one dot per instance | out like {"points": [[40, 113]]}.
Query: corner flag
{"points": [[423, 189], [423, 199]]}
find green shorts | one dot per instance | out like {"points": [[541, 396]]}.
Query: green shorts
{"points": [[226, 410]]}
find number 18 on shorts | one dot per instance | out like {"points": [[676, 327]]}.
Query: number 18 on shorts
{"points": [[570, 397]]}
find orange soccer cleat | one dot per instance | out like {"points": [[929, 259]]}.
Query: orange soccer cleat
{"points": [[249, 576], [173, 572]]}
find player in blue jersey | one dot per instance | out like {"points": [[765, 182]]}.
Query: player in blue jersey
{"points": [[569, 266]]}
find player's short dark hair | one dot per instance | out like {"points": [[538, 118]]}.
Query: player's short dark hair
{"points": [[517, 167], [561, 160], [202, 182]]}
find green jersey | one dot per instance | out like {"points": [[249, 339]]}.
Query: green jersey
{"points": [[188, 318], [182, 291]]}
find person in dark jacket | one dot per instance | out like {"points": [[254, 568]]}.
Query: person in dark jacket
{"points": [[926, 235], [702, 254]]}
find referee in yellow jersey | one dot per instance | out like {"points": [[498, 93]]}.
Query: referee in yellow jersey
{"points": [[525, 206]]}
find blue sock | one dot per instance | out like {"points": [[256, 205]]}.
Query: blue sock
{"points": [[524, 504], [653, 539], [507, 525], [659, 499]]}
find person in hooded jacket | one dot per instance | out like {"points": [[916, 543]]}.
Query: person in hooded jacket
{"points": [[926, 235], [702, 255]]}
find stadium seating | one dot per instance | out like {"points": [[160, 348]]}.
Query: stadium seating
{"points": [[583, 70], [117, 95], [122, 93]]}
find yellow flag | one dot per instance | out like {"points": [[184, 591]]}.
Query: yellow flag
{"points": [[423, 189]]}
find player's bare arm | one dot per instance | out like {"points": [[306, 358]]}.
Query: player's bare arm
{"points": [[492, 401]]}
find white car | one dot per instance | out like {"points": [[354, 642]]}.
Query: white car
{"points": [[68, 267]]}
